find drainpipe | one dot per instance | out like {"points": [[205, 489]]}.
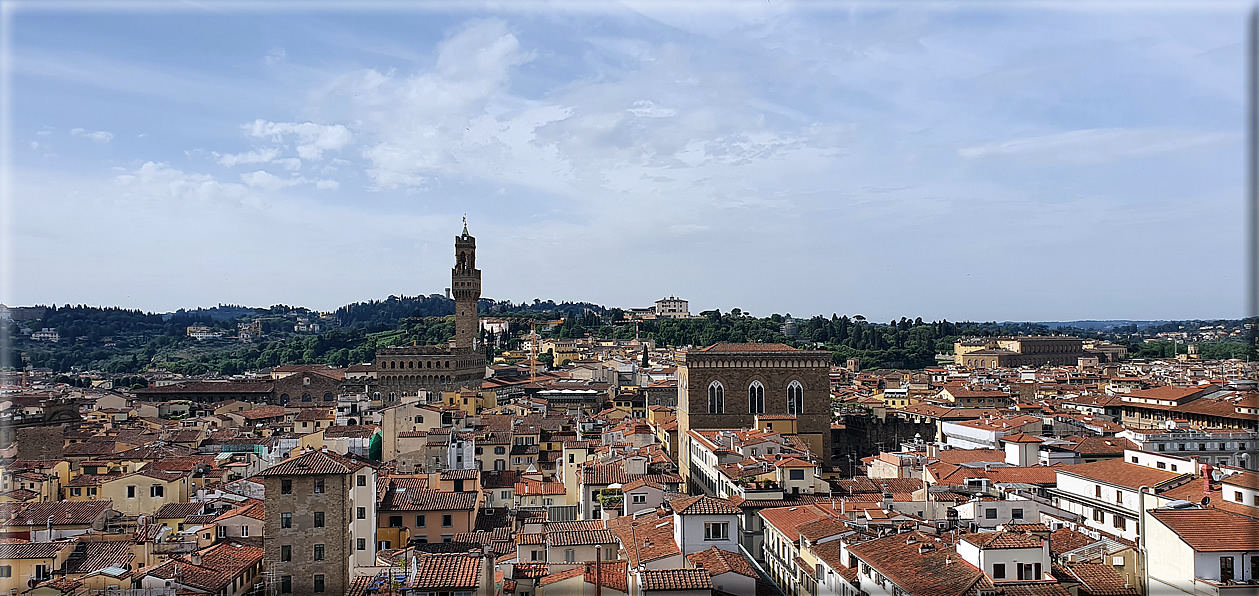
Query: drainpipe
{"points": [[1143, 578]]}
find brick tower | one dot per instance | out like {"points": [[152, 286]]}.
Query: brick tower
{"points": [[465, 283]]}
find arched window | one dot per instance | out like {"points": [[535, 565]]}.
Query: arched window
{"points": [[795, 398], [306, 397], [716, 398], [756, 398], [393, 365], [284, 398], [430, 364], [411, 364], [327, 397]]}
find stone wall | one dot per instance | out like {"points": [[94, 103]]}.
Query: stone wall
{"points": [[335, 535], [863, 435], [40, 442], [774, 370]]}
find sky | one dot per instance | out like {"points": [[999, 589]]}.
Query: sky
{"points": [[959, 161]]}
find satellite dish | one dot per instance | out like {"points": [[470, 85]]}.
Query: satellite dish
{"points": [[1206, 501], [1216, 475]]}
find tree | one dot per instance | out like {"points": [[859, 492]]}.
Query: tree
{"points": [[645, 356]]}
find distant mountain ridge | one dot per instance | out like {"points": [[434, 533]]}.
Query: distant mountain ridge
{"points": [[1107, 323]]}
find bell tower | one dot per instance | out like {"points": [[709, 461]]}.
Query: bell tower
{"points": [[465, 284]]}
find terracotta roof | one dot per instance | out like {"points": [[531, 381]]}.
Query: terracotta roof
{"points": [[91, 479], [417, 499], [460, 474], [249, 387], [611, 574], [789, 519], [33, 550], [178, 510], [717, 561], [580, 537], [676, 579], [448, 570], [1021, 438], [1244, 480], [261, 412], [939, 571], [1100, 445], [576, 526], [823, 528], [1003, 540], [98, 554], [831, 553], [1065, 540], [703, 505], [1209, 530], [559, 576], [63, 513], [220, 566], [1120, 473], [315, 415], [313, 463], [533, 487], [360, 431], [1098, 579], [254, 510]]}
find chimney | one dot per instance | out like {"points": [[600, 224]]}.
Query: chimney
{"points": [[487, 562], [195, 558]]}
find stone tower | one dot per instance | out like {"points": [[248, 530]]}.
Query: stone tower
{"points": [[465, 284]]}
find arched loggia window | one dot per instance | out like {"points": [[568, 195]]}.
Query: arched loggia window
{"points": [[795, 398], [756, 398], [716, 398]]}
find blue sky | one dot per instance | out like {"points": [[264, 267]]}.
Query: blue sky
{"points": [[974, 162]]}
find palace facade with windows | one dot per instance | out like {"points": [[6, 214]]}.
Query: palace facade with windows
{"points": [[725, 386]]}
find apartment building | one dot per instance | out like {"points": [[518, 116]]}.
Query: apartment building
{"points": [[321, 521]]}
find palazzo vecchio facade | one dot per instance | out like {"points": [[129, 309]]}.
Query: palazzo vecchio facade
{"points": [[409, 369], [724, 386]]}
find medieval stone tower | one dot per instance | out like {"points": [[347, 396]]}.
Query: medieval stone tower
{"points": [[460, 364], [465, 284]]}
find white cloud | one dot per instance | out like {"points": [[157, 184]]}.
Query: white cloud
{"points": [[34, 145], [275, 56], [763, 138], [99, 136], [45, 132], [269, 181], [289, 163], [1095, 146], [647, 109], [312, 139], [251, 157], [159, 181]]}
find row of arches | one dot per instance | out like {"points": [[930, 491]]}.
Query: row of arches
{"points": [[792, 363], [306, 397], [416, 379], [756, 398], [410, 364]]}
